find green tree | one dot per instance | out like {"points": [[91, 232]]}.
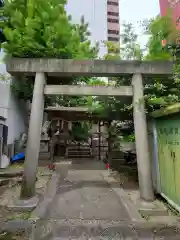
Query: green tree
{"points": [[113, 51], [82, 29], [40, 29], [130, 49], [158, 29], [162, 92], [114, 107], [159, 92], [81, 131]]}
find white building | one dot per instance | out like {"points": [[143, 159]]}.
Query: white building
{"points": [[13, 116]]}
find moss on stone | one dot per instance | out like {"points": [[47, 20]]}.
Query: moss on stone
{"points": [[27, 191], [175, 108]]}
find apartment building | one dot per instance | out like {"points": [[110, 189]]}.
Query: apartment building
{"points": [[102, 16], [113, 25], [174, 6]]}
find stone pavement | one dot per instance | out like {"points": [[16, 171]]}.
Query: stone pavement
{"points": [[85, 207]]}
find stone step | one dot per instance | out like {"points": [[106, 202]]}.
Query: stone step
{"points": [[7, 173], [79, 156], [76, 145], [44, 156], [4, 181], [79, 152], [79, 149], [10, 181]]}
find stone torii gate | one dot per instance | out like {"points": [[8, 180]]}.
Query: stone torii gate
{"points": [[47, 70]]}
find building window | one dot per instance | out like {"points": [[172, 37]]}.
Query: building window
{"points": [[113, 32], [112, 3], [113, 39], [115, 14], [113, 20], [178, 21]]}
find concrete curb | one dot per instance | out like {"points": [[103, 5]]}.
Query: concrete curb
{"points": [[41, 210], [133, 213], [133, 210], [24, 205], [50, 192]]}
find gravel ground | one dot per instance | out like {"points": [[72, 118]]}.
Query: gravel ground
{"points": [[16, 220]]}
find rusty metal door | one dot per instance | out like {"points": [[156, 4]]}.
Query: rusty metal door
{"points": [[166, 156], [175, 155]]}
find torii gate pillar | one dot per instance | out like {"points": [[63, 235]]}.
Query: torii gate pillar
{"points": [[141, 136], [34, 137]]}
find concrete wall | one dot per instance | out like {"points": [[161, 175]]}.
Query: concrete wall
{"points": [[4, 98], [16, 120], [13, 110], [4, 89], [95, 13]]}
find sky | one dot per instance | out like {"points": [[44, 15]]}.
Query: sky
{"points": [[137, 10]]}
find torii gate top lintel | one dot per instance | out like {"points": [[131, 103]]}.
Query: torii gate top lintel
{"points": [[71, 67]]}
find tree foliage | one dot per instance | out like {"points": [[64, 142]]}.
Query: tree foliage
{"points": [[130, 49], [114, 107], [43, 29], [158, 30], [162, 92], [113, 51], [36, 29], [81, 131], [159, 92]]}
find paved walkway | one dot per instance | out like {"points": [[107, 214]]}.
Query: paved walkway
{"points": [[85, 207]]}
